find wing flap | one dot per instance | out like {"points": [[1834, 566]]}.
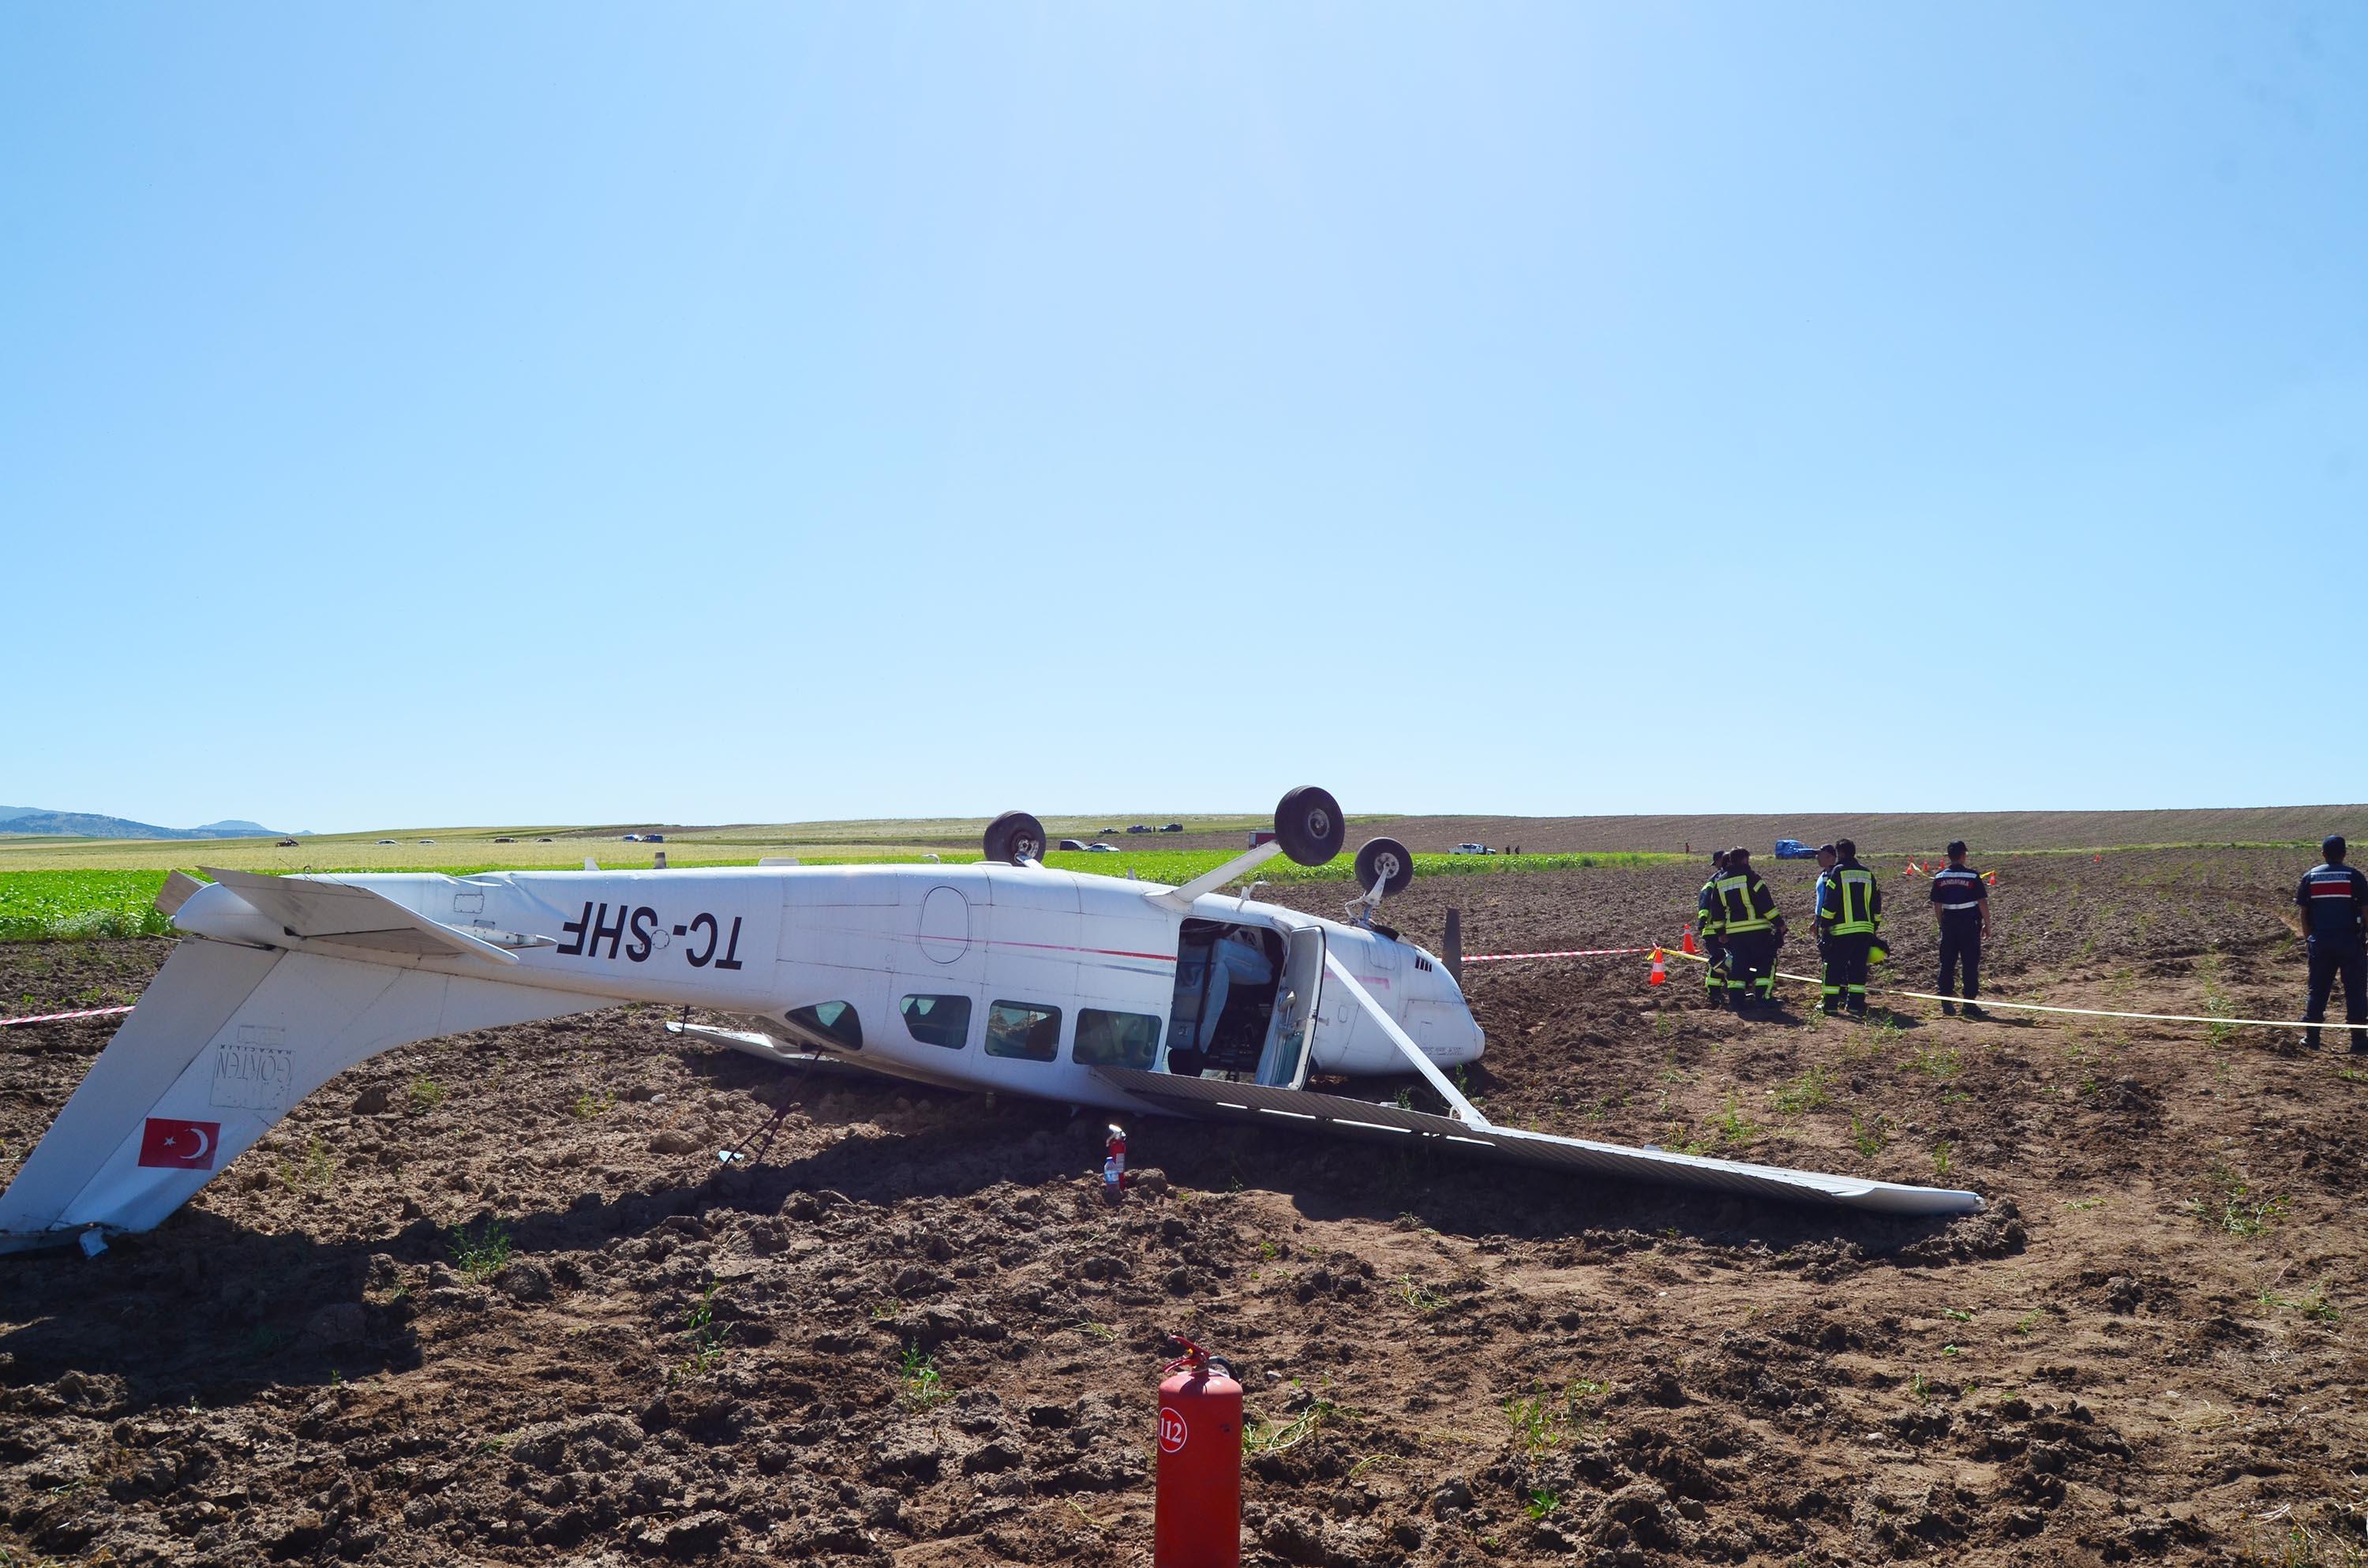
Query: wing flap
{"points": [[1338, 1113]]}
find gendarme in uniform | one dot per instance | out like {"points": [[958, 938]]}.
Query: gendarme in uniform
{"points": [[1961, 903], [2334, 900]]}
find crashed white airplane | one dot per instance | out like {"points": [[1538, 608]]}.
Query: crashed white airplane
{"points": [[1002, 976]]}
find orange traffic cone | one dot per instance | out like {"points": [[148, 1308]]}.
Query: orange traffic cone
{"points": [[1990, 877], [1686, 940], [1660, 975]]}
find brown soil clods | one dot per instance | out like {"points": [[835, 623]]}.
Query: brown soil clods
{"points": [[493, 1298]]}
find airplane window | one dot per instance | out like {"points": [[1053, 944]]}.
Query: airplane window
{"points": [[937, 1020], [834, 1022], [1115, 1039], [1015, 1029]]}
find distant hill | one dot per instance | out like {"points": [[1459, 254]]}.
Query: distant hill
{"points": [[89, 824]]}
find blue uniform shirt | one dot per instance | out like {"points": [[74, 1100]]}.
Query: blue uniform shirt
{"points": [[2333, 899]]}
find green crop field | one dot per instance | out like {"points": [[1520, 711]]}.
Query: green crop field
{"points": [[45, 904], [557, 847]]}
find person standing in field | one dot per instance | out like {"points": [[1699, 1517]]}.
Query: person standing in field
{"points": [[1850, 911], [1713, 946], [2334, 902], [1826, 858], [1961, 903], [1741, 909]]}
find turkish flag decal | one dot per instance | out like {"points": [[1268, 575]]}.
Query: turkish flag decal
{"points": [[179, 1145]]}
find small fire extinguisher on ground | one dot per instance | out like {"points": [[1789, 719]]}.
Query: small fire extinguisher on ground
{"points": [[1115, 1180], [1197, 1522]]}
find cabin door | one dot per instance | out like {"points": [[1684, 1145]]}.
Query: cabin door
{"points": [[1284, 1062]]}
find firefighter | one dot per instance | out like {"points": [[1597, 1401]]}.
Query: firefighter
{"points": [[1713, 946], [2334, 902], [1850, 911], [1826, 858], [1741, 909], [1961, 903]]}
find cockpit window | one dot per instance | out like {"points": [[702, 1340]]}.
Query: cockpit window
{"points": [[1115, 1039], [937, 1020], [1017, 1029], [833, 1024]]}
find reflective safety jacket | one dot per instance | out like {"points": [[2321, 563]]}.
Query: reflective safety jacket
{"points": [[1851, 904], [1703, 901], [2333, 899], [1733, 904]]}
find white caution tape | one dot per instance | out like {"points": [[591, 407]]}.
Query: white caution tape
{"points": [[53, 1018], [1564, 953], [1987, 1003]]}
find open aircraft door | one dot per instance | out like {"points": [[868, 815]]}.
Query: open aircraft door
{"points": [[1284, 1062]]}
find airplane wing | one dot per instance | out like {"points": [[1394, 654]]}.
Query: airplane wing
{"points": [[1338, 1113], [352, 917]]}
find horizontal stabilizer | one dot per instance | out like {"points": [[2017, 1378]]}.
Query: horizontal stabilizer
{"points": [[353, 917], [223, 1042], [1338, 1113]]}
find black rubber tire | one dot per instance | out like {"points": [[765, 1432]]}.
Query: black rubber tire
{"points": [[1387, 861], [1016, 837], [1309, 825]]}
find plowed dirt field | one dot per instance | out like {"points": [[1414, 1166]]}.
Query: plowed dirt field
{"points": [[489, 1299]]}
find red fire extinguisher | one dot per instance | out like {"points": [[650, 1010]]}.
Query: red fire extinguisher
{"points": [[1197, 1522]]}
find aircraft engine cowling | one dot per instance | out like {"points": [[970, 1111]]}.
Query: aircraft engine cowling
{"points": [[1419, 995]]}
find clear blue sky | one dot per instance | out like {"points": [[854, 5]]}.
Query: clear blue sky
{"points": [[417, 414]]}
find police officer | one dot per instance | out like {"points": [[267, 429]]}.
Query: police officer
{"points": [[1713, 945], [2334, 902], [1741, 909], [1961, 903], [1850, 911]]}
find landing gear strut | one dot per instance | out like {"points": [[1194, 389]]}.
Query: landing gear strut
{"points": [[1383, 867]]}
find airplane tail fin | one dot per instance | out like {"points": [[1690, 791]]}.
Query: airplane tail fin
{"points": [[223, 1043]]}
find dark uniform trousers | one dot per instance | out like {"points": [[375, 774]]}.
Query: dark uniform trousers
{"points": [[1961, 943], [1715, 978], [1846, 968], [1751, 967], [2330, 956]]}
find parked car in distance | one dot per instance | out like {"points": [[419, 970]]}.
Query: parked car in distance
{"points": [[654, 838], [1138, 827], [1173, 827], [427, 841], [543, 841], [287, 844], [1099, 847], [505, 839], [1068, 844], [1793, 849], [1105, 832], [1471, 850], [386, 841], [1261, 835], [632, 838]]}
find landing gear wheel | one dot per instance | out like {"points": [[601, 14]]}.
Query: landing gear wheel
{"points": [[1309, 825], [1386, 861], [1016, 837]]}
